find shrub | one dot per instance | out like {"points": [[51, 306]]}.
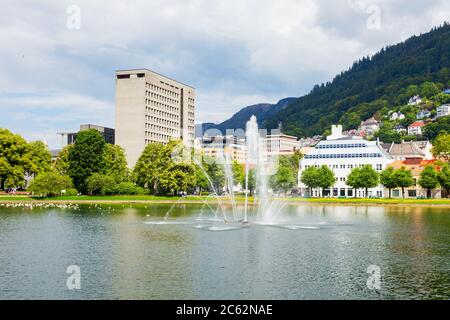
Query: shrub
{"points": [[100, 184], [50, 184], [128, 188], [71, 192]]}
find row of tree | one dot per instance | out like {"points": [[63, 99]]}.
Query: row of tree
{"points": [[367, 177]]}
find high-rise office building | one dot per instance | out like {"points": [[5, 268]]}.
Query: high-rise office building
{"points": [[152, 108]]}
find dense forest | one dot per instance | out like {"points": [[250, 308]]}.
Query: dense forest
{"points": [[371, 84]]}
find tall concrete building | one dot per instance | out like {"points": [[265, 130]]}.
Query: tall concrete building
{"points": [[152, 108]]}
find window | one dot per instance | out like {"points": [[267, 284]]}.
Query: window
{"points": [[412, 193]]}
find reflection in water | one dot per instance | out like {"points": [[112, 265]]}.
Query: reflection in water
{"points": [[314, 251]]}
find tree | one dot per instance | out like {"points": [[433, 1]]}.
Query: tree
{"points": [[100, 184], [147, 170], [441, 147], [86, 157], [403, 179], [326, 178], [251, 181], [238, 172], [49, 184], [387, 133], [115, 163], [369, 178], [440, 126], [38, 159], [444, 178], [387, 179], [354, 179], [163, 169], [61, 164], [13, 159], [283, 180], [428, 179], [310, 178]]}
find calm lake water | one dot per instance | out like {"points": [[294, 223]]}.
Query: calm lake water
{"points": [[321, 252]]}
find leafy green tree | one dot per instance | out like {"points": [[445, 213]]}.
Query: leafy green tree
{"points": [[310, 178], [238, 172], [369, 178], [284, 179], [50, 184], [100, 184], [147, 170], [441, 147], [354, 180], [215, 173], [251, 181], [61, 164], [13, 159], [429, 179], [444, 178], [128, 188], [86, 157], [387, 133], [164, 170], [326, 178], [403, 179], [434, 129], [115, 163], [429, 89], [387, 179], [38, 158], [201, 180]]}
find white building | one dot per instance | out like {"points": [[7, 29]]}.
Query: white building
{"points": [[413, 101], [415, 129], [443, 111], [341, 154], [396, 116], [280, 144], [370, 126]]}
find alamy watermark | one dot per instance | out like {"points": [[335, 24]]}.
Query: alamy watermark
{"points": [[73, 282], [374, 279]]}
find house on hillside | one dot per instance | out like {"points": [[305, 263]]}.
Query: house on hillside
{"points": [[400, 129], [414, 101], [370, 126], [447, 91], [396, 116], [443, 111], [415, 129], [423, 114]]}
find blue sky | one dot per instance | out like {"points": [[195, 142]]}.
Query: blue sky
{"points": [[235, 53]]}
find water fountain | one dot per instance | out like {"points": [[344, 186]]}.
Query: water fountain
{"points": [[264, 210]]}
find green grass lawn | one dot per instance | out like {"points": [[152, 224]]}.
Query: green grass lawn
{"points": [[194, 199]]}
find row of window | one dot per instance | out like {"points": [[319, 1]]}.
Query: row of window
{"points": [[157, 114], [341, 146], [344, 155], [378, 166], [150, 121], [161, 98], [163, 91]]}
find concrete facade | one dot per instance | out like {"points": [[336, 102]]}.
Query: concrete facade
{"points": [[151, 108]]}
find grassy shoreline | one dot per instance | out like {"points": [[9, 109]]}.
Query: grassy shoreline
{"points": [[5, 199]]}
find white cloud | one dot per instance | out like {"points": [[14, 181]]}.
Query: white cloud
{"points": [[234, 52]]}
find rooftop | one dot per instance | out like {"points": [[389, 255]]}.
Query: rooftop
{"points": [[148, 70]]}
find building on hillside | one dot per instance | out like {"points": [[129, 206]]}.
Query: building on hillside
{"points": [[447, 91], [342, 154], [107, 133], [416, 165], [413, 101], [409, 149], [423, 114], [309, 142], [400, 129], [280, 144], [370, 126], [151, 108], [396, 116], [415, 129], [443, 111]]}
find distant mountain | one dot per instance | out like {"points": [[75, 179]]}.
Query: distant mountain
{"points": [[262, 111], [372, 85]]}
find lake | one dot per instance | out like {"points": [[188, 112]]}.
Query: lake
{"points": [[317, 252]]}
